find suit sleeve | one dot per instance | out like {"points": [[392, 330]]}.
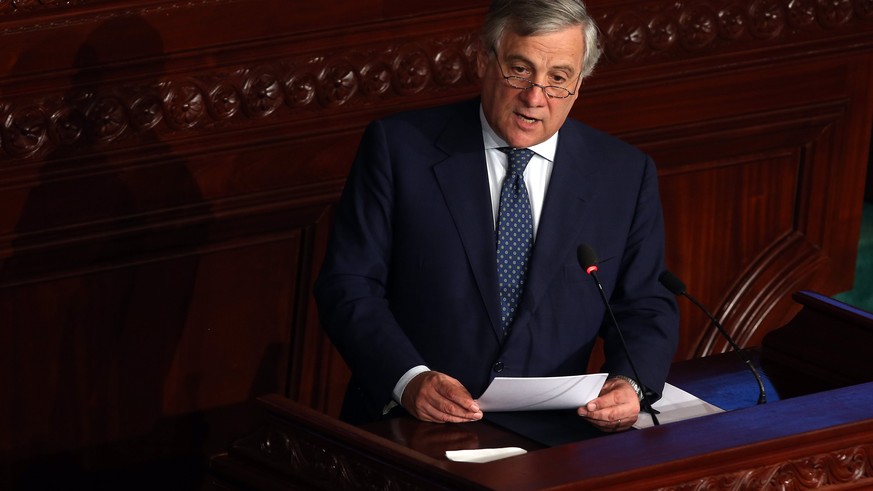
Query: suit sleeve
{"points": [[351, 287], [645, 311]]}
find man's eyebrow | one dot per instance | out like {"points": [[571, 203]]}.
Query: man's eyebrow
{"points": [[568, 68]]}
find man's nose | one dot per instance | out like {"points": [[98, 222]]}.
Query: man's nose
{"points": [[535, 95]]}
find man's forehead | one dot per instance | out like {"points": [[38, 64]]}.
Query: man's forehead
{"points": [[558, 52]]}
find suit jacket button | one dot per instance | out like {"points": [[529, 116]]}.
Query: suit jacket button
{"points": [[498, 367]]}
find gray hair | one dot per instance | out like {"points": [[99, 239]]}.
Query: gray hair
{"points": [[533, 17]]}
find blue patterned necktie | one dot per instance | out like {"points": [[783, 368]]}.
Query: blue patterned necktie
{"points": [[514, 235]]}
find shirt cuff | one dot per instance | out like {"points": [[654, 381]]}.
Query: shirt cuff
{"points": [[401, 386]]}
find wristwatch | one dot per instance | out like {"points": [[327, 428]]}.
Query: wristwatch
{"points": [[633, 383]]}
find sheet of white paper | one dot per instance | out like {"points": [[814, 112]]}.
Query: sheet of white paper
{"points": [[539, 393], [482, 455], [676, 405]]}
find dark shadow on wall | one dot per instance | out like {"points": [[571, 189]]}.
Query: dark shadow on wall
{"points": [[96, 293]]}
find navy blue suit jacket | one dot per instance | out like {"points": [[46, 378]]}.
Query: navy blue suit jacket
{"points": [[410, 275]]}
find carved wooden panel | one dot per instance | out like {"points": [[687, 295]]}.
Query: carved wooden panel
{"points": [[739, 192], [749, 158], [851, 467]]}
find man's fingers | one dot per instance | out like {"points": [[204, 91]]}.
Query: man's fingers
{"points": [[439, 408], [610, 421], [454, 403], [615, 409], [436, 397], [456, 393]]}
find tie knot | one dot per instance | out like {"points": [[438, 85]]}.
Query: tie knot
{"points": [[518, 158]]}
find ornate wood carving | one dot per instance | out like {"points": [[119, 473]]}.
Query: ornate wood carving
{"points": [[662, 30], [849, 466], [11, 8], [306, 84], [213, 100], [322, 467], [22, 6]]}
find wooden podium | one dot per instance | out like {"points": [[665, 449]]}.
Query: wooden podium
{"points": [[816, 438]]}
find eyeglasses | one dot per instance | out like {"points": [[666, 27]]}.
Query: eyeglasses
{"points": [[553, 91]]}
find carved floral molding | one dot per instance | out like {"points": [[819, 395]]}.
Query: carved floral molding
{"points": [[655, 28], [99, 115], [310, 461], [842, 467], [11, 8], [21, 6], [309, 87]]}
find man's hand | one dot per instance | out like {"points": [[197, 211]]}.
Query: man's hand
{"points": [[438, 398], [615, 409]]}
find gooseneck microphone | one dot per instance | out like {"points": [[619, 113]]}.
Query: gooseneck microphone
{"points": [[588, 260], [675, 285]]}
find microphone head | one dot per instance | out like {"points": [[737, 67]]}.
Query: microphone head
{"points": [[672, 283], [587, 258]]}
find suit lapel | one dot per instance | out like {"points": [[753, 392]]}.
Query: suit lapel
{"points": [[463, 180], [565, 211]]}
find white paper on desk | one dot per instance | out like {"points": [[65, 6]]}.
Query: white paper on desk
{"points": [[483, 455], [539, 393], [676, 405]]}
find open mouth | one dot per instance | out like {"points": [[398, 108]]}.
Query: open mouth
{"points": [[526, 119]]}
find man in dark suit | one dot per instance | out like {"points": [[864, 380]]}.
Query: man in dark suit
{"points": [[413, 291]]}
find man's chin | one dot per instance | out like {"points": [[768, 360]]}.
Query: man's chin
{"points": [[524, 140]]}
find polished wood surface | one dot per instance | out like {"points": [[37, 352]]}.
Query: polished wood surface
{"points": [[790, 441], [830, 342], [821, 440], [168, 171]]}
